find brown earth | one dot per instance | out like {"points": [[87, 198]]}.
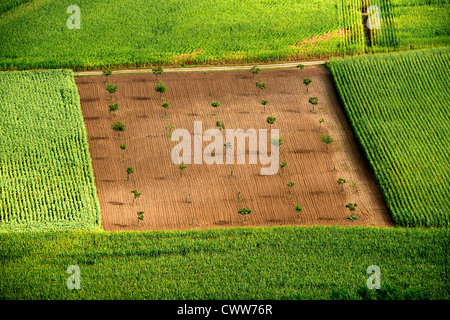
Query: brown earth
{"points": [[211, 189]]}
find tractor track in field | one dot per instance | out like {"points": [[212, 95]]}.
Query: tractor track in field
{"points": [[207, 69]]}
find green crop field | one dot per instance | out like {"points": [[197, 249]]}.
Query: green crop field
{"points": [[246, 263], [421, 23], [136, 33], [46, 177], [398, 106], [407, 24]]}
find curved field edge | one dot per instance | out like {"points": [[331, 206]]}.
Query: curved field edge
{"points": [[396, 105], [240, 263], [47, 180]]}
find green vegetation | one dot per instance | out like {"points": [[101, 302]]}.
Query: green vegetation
{"points": [[130, 34], [136, 194], [282, 165], [157, 71], [118, 127], [341, 181], [181, 167], [172, 32], [46, 177], [327, 139], [276, 141], [421, 23], [113, 107], [244, 212], [264, 102], [260, 85], [398, 107], [405, 24], [313, 101], [161, 88], [220, 125], [307, 82], [130, 170], [290, 184], [351, 206], [254, 70], [111, 88], [271, 120], [255, 263]]}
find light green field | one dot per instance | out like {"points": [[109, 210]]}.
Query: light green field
{"points": [[249, 263], [46, 177], [134, 33], [398, 106], [171, 32]]}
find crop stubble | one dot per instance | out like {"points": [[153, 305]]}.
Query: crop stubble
{"points": [[213, 192]]}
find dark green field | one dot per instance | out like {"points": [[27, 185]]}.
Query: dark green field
{"points": [[136, 33]]}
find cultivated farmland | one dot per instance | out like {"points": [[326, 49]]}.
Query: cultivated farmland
{"points": [[398, 106], [6, 5], [211, 190], [240, 263], [46, 179], [359, 208]]}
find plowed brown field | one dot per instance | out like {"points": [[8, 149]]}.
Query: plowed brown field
{"points": [[213, 192]]}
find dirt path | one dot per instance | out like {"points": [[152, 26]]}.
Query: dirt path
{"points": [[211, 189], [206, 69]]}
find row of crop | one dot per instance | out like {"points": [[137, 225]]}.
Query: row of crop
{"points": [[398, 117], [46, 175]]}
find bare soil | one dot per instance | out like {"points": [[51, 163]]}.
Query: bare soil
{"points": [[211, 189]]}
